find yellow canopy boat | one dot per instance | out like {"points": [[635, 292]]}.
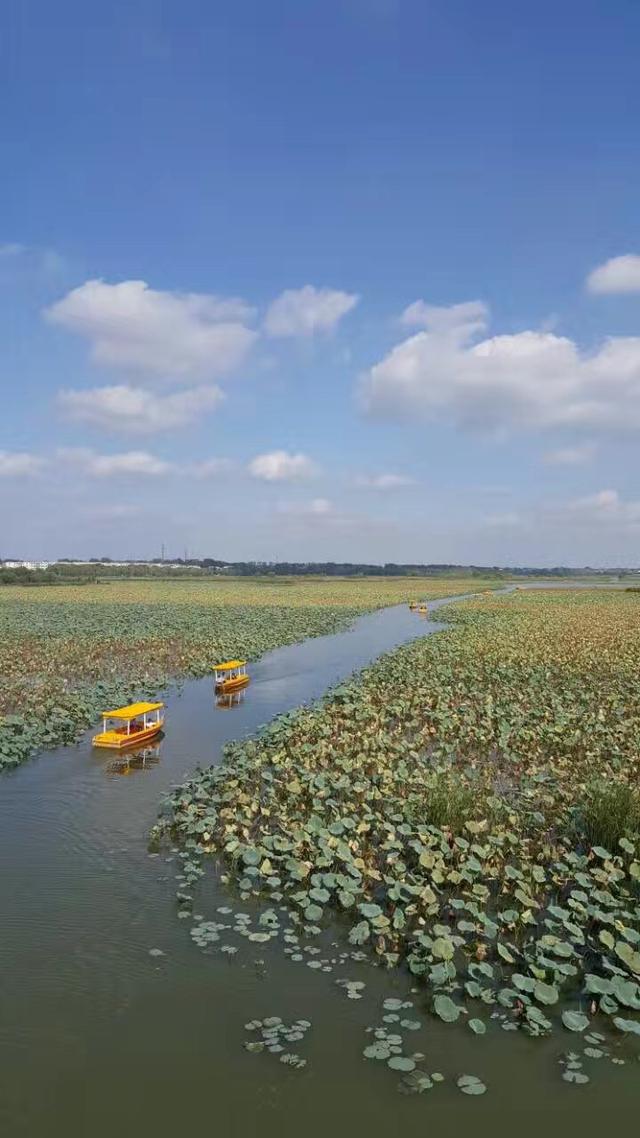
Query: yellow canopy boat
{"points": [[129, 726], [230, 676]]}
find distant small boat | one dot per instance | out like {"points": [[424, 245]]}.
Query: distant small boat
{"points": [[130, 726], [230, 676]]}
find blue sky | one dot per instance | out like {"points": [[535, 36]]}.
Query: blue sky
{"points": [[342, 280]]}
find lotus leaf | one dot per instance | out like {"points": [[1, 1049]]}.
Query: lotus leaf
{"points": [[445, 1008], [575, 1021], [629, 1026]]}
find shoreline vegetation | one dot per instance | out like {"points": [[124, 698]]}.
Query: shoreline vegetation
{"points": [[66, 654], [101, 570], [468, 808]]}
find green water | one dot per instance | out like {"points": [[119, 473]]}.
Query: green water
{"points": [[99, 1037]]}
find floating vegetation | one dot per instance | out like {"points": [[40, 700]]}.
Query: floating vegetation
{"points": [[471, 1085], [66, 654], [440, 809], [353, 988], [389, 1049], [275, 1036]]}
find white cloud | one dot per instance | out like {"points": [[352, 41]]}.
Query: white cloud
{"points": [[122, 408], [467, 318], [212, 467], [17, 464], [32, 263], [527, 380], [315, 508], [604, 508], [12, 249], [304, 311], [131, 463], [279, 466], [319, 507], [618, 275], [174, 335], [384, 481], [571, 456]]}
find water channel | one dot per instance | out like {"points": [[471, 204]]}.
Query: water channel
{"points": [[100, 1036]]}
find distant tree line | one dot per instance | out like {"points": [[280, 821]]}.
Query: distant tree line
{"points": [[50, 576], [393, 569], [67, 572]]}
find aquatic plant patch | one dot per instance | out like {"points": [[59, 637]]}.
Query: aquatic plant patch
{"points": [[276, 1037], [66, 655], [440, 809]]}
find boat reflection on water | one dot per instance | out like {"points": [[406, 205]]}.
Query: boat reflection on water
{"points": [[135, 759], [225, 701]]}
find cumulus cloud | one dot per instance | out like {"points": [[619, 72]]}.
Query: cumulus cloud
{"points": [[182, 336], [618, 275], [604, 508], [18, 464], [571, 456], [529, 379], [304, 311], [280, 466], [130, 463], [121, 408], [384, 481], [463, 319]]}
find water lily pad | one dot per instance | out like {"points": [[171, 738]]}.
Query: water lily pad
{"points": [[577, 1077], [629, 1026], [400, 1063], [445, 1008], [575, 1021], [471, 1085]]}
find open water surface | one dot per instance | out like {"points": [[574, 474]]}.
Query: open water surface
{"points": [[99, 1037]]}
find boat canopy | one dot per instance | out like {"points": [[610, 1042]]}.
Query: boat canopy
{"points": [[230, 665], [132, 710]]}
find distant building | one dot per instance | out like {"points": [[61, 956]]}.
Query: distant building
{"points": [[25, 564]]}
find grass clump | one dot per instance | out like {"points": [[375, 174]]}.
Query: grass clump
{"points": [[608, 812]]}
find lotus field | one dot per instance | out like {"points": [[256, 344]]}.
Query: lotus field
{"points": [[467, 811], [67, 653]]}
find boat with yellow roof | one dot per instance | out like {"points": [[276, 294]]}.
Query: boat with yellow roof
{"points": [[130, 725], [230, 676]]}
